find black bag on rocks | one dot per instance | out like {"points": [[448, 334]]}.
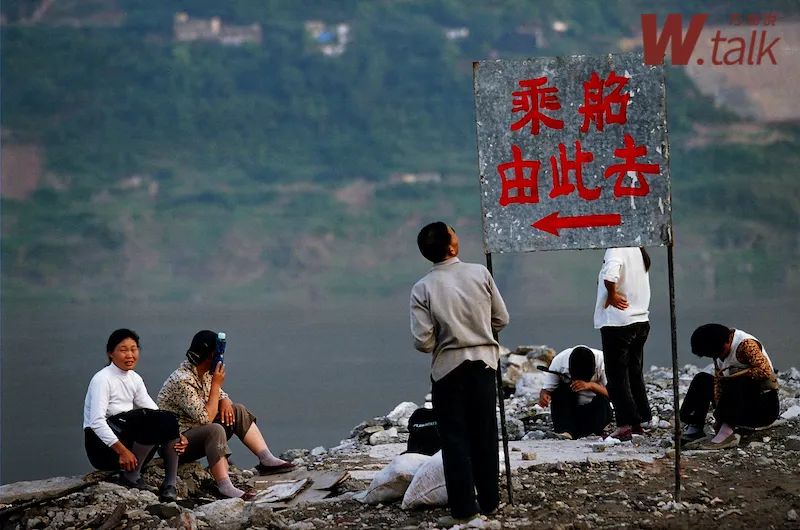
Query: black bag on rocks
{"points": [[423, 437]]}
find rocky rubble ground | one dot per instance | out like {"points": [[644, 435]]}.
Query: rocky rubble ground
{"points": [[754, 485]]}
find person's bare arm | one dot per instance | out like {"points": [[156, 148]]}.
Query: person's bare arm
{"points": [[614, 298], [127, 460], [597, 388], [217, 378], [544, 398], [226, 412]]}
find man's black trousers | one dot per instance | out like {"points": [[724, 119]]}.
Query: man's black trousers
{"points": [[742, 403], [464, 402], [578, 420], [623, 354]]}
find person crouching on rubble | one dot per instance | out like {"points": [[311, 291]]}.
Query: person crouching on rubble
{"points": [[743, 389], [575, 390]]}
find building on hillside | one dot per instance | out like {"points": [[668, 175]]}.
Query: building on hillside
{"points": [[533, 31], [331, 40], [523, 39], [429, 177], [456, 33], [187, 29]]}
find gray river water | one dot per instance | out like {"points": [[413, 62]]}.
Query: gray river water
{"points": [[309, 374]]}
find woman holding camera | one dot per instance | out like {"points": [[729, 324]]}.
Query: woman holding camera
{"points": [[208, 418]]}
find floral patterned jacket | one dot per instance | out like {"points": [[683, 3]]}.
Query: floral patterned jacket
{"points": [[749, 353], [185, 393]]}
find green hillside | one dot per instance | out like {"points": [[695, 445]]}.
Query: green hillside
{"points": [[263, 171]]}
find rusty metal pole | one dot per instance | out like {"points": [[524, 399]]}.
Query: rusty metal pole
{"points": [[675, 396], [502, 406]]}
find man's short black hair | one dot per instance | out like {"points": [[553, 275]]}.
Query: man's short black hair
{"points": [[433, 241], [709, 339], [118, 336], [581, 364]]}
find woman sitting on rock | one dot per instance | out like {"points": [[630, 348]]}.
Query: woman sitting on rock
{"points": [[208, 417], [122, 424], [744, 389]]}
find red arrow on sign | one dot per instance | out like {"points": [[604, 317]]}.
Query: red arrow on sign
{"points": [[553, 223]]}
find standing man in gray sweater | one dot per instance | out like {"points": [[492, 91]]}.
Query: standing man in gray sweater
{"points": [[455, 311]]}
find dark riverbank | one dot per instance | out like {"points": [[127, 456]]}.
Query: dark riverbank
{"points": [[557, 483]]}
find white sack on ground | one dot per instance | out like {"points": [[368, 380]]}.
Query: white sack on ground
{"points": [[427, 488], [392, 481]]}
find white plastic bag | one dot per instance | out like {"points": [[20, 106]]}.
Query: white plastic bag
{"points": [[428, 487], [392, 481]]}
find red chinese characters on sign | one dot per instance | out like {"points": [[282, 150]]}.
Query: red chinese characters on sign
{"points": [[561, 183], [532, 101], [519, 178], [630, 153], [525, 189], [597, 105], [604, 102]]}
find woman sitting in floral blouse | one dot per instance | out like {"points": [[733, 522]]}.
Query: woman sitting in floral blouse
{"points": [[208, 418], [744, 389]]}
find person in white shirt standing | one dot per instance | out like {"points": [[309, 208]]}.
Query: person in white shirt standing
{"points": [[622, 315], [122, 424], [575, 390]]}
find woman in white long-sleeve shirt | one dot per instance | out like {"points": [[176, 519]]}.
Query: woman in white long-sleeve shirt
{"points": [[122, 424]]}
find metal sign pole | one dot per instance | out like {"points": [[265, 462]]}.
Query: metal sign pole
{"points": [[675, 397], [502, 406]]}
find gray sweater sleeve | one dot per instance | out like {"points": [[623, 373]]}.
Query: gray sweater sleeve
{"points": [[499, 311], [422, 327]]}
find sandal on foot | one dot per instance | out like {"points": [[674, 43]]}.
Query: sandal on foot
{"points": [[727, 443], [285, 467], [249, 495]]}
